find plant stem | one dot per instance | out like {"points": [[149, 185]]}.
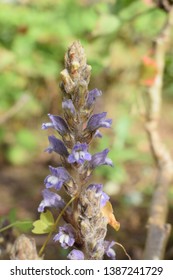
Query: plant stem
{"points": [[14, 224], [55, 225], [158, 230]]}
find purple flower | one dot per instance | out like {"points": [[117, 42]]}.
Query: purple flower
{"points": [[92, 97], [69, 107], [58, 178], [66, 236], [57, 146], [98, 120], [79, 154], [51, 199], [75, 255], [108, 249], [98, 134], [97, 188], [100, 159], [57, 123]]}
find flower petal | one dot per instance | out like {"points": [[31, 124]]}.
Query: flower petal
{"points": [[98, 189], [59, 176], [98, 134], [66, 236], [100, 159], [79, 154], [51, 199], [59, 124], [68, 106], [75, 255], [108, 249], [47, 125], [98, 120], [92, 97], [57, 146]]}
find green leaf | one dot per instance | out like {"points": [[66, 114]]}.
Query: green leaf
{"points": [[47, 217], [23, 226], [45, 224], [12, 215]]}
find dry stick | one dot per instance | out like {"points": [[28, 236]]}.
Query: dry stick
{"points": [[158, 231]]}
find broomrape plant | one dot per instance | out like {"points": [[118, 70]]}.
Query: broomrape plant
{"points": [[87, 214]]}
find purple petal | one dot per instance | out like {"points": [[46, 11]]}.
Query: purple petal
{"points": [[97, 188], [98, 134], [47, 125], [69, 107], [108, 249], [100, 159], [104, 199], [66, 236], [92, 97], [53, 181], [59, 124], [58, 178], [98, 120], [51, 199], [79, 154], [75, 255], [57, 146], [60, 172]]}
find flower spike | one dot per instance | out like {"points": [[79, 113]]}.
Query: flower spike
{"points": [[90, 212]]}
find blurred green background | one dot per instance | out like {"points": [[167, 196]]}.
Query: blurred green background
{"points": [[116, 35]]}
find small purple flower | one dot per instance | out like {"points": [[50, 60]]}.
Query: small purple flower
{"points": [[58, 178], [92, 97], [108, 249], [66, 236], [69, 107], [98, 188], [98, 134], [98, 120], [51, 199], [57, 146], [79, 154], [47, 125], [100, 159], [75, 255], [58, 124]]}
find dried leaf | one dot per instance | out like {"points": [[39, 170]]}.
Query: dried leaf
{"points": [[107, 212]]}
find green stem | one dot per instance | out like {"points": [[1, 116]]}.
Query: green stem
{"points": [[14, 224], [55, 225]]}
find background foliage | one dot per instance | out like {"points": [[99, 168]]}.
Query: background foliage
{"points": [[116, 35]]}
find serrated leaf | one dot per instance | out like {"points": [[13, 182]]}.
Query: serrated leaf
{"points": [[107, 212], [45, 224]]}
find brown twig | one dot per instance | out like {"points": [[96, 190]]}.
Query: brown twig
{"points": [[158, 230]]}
